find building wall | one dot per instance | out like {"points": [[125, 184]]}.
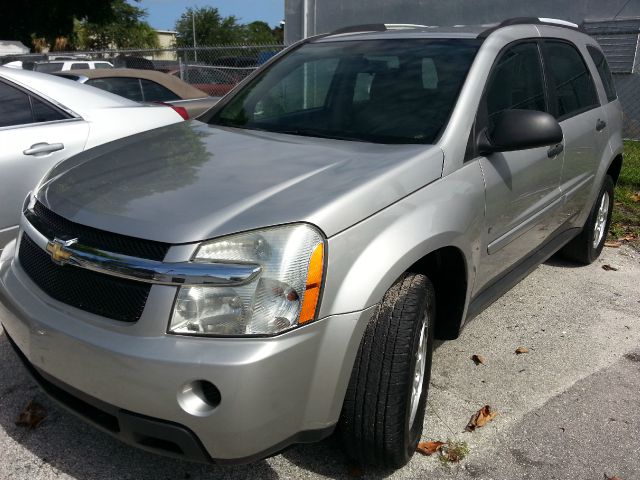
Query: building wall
{"points": [[310, 17], [166, 41]]}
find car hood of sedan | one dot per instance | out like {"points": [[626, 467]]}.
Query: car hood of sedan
{"points": [[192, 181]]}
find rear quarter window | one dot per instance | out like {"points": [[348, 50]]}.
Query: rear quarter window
{"points": [[154, 92], [14, 107], [43, 112], [603, 71]]}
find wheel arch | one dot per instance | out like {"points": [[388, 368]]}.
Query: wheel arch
{"points": [[447, 269], [615, 167]]}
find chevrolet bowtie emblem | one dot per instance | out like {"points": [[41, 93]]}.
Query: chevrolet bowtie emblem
{"points": [[58, 250]]}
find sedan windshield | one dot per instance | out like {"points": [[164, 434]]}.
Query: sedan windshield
{"points": [[391, 91]]}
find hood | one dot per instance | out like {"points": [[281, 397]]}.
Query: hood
{"points": [[192, 181]]}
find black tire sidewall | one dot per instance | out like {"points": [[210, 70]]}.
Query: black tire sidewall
{"points": [[414, 432]]}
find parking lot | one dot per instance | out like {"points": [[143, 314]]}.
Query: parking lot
{"points": [[569, 408]]}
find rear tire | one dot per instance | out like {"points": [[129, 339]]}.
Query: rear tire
{"points": [[587, 246], [383, 412]]}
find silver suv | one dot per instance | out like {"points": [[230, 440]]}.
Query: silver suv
{"points": [[219, 290]]}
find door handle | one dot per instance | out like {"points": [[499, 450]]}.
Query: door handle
{"points": [[43, 148], [555, 150], [600, 124]]}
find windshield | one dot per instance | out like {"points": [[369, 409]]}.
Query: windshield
{"points": [[391, 91]]}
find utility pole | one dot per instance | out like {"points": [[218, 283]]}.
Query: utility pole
{"points": [[193, 26]]}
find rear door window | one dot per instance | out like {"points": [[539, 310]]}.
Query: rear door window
{"points": [[79, 66], [574, 91], [604, 72]]}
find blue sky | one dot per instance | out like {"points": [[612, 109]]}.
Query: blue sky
{"points": [[162, 14]]}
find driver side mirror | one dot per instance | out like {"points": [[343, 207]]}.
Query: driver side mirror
{"points": [[519, 130]]}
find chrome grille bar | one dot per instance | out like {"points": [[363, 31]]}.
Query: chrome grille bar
{"points": [[143, 270]]}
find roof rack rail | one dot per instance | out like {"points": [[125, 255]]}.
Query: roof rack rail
{"points": [[367, 27], [375, 27], [528, 21], [402, 26]]}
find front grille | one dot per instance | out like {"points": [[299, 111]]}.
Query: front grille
{"points": [[105, 295], [52, 225]]}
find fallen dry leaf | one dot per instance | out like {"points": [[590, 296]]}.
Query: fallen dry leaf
{"points": [[608, 268], [612, 244], [429, 448], [32, 415], [479, 359], [521, 350], [480, 418], [635, 197], [628, 238]]}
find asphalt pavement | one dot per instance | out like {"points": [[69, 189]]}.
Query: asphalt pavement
{"points": [[567, 409]]}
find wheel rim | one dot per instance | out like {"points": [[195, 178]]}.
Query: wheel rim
{"points": [[418, 373], [601, 220]]}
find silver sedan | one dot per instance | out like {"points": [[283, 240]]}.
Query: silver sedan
{"points": [[44, 119]]}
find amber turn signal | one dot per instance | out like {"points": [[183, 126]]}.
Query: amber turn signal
{"points": [[314, 282]]}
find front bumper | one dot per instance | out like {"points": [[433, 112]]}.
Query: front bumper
{"points": [[274, 391]]}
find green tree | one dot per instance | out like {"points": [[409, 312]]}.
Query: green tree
{"points": [[25, 20], [124, 28], [210, 26], [256, 33]]}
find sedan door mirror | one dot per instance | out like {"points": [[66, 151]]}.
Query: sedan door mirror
{"points": [[519, 130]]}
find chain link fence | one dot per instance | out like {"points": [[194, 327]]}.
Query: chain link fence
{"points": [[215, 70]]}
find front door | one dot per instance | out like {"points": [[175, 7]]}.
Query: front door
{"points": [[523, 196]]}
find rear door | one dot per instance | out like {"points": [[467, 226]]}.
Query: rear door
{"points": [[575, 104], [35, 135], [523, 197]]}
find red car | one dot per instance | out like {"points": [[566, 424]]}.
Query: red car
{"points": [[213, 81]]}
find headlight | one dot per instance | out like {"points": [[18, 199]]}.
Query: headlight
{"points": [[285, 294]]}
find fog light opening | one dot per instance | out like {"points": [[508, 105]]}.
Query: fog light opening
{"points": [[199, 398]]}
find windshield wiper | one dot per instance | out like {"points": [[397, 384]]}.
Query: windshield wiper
{"points": [[310, 132]]}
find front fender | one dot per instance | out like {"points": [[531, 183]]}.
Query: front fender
{"points": [[365, 260]]}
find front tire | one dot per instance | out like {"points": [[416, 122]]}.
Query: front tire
{"points": [[587, 246], [383, 412]]}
